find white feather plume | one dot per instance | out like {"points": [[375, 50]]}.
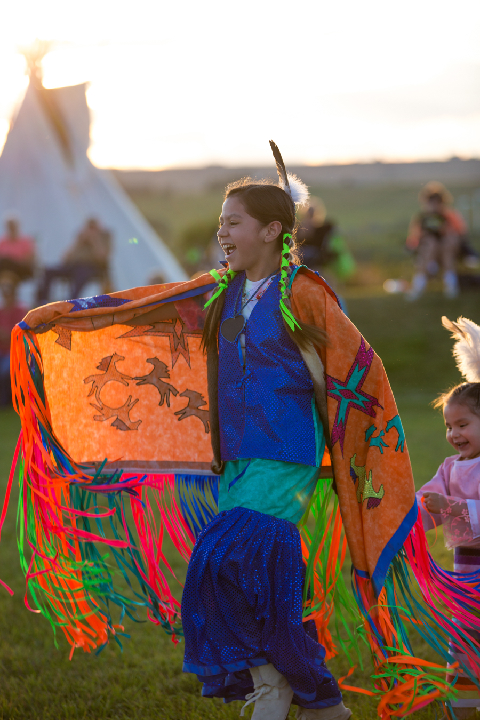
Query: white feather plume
{"points": [[298, 190], [467, 347]]}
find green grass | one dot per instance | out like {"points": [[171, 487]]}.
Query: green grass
{"points": [[146, 681]]}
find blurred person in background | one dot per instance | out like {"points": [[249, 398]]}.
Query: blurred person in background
{"points": [[156, 278], [202, 250], [321, 245], [322, 248], [10, 314], [87, 259], [17, 252], [438, 236], [214, 255]]}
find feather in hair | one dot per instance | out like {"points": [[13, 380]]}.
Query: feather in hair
{"points": [[281, 170], [467, 347], [292, 185], [298, 190]]}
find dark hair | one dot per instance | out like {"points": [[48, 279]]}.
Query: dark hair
{"points": [[266, 203], [466, 393]]}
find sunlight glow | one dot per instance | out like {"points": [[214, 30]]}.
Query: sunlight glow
{"points": [[4, 128], [191, 84]]}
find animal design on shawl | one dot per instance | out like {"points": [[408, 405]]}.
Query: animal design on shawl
{"points": [[195, 402], [157, 378], [365, 490], [109, 373]]}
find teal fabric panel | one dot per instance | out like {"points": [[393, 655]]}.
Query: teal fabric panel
{"points": [[271, 487]]}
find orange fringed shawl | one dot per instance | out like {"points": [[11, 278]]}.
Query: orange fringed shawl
{"points": [[115, 430]]}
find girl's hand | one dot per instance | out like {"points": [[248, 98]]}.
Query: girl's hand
{"points": [[434, 502]]}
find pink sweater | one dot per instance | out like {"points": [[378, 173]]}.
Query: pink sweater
{"points": [[459, 481]]}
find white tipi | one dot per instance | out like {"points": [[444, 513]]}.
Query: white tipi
{"points": [[47, 180]]}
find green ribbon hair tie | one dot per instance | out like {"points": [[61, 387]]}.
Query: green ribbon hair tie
{"points": [[222, 284], [285, 264]]}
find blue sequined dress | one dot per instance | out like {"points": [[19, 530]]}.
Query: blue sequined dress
{"points": [[242, 602]]}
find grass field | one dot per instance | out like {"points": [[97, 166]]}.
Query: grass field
{"points": [[373, 219], [146, 682]]}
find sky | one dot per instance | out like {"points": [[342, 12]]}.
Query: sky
{"points": [[186, 84]]}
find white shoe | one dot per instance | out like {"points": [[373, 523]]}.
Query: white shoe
{"points": [[335, 712], [450, 284], [272, 696], [419, 283]]}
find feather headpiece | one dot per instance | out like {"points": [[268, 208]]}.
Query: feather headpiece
{"points": [[467, 347], [292, 185]]}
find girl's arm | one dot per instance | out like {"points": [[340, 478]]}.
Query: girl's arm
{"points": [[460, 518], [430, 510]]}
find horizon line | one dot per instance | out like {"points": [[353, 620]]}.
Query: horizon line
{"points": [[262, 166]]}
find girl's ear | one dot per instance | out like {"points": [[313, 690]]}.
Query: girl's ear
{"points": [[273, 231]]}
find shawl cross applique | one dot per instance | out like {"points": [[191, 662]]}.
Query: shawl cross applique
{"points": [[349, 395]]}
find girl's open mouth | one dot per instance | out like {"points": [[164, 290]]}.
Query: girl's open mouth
{"points": [[228, 249]]}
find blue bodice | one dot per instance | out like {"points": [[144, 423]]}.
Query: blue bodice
{"points": [[266, 407]]}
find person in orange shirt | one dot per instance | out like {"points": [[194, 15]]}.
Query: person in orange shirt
{"points": [[435, 234]]}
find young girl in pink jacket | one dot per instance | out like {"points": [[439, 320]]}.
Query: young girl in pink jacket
{"points": [[452, 497]]}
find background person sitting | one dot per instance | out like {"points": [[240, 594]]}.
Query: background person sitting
{"points": [[10, 314], [321, 246], [435, 234], [17, 252], [87, 259]]}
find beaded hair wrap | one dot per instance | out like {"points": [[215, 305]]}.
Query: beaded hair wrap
{"points": [[298, 193], [285, 307]]}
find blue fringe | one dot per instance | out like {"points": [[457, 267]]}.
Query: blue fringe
{"points": [[198, 496]]}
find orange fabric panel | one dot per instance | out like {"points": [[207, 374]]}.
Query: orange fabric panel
{"points": [[120, 392], [383, 466]]}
